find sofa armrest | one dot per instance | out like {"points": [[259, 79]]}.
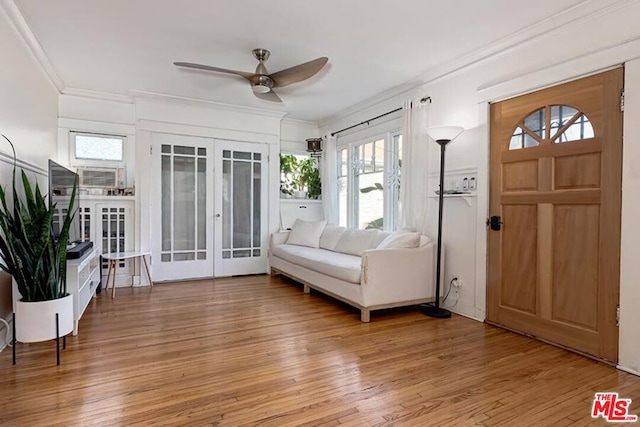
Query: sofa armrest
{"points": [[278, 238], [402, 274]]}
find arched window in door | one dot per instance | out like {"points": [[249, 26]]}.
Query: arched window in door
{"points": [[555, 124]]}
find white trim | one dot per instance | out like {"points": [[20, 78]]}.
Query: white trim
{"points": [[628, 370], [27, 166], [299, 122], [154, 96], [105, 96], [207, 132], [108, 128], [16, 18]]}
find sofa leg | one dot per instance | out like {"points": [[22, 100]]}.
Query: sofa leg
{"points": [[306, 289], [365, 315]]}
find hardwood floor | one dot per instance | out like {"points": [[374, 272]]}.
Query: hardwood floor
{"points": [[257, 351]]}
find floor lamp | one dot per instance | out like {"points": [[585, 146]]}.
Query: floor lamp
{"points": [[442, 135]]}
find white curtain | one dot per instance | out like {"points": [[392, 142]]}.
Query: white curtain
{"points": [[329, 177], [415, 148]]}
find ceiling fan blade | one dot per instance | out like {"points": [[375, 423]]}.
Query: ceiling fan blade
{"points": [[247, 76], [269, 96], [298, 73]]}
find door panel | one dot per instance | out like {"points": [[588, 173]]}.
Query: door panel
{"points": [[556, 182], [183, 235], [241, 208]]}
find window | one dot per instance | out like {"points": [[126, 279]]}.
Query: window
{"points": [[369, 182], [299, 176], [566, 124], [97, 149]]}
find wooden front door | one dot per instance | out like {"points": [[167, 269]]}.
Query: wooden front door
{"points": [[556, 179]]}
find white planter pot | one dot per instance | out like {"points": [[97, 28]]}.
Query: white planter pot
{"points": [[300, 194], [36, 321]]}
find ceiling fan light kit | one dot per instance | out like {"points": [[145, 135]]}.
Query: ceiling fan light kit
{"points": [[263, 83]]}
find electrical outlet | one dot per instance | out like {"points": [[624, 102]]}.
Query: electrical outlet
{"points": [[456, 281]]}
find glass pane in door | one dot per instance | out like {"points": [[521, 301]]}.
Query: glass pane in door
{"points": [[241, 204], [183, 181]]}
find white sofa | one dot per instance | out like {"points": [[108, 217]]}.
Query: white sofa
{"points": [[348, 265]]}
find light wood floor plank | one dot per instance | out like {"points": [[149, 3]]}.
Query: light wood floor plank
{"points": [[257, 351]]}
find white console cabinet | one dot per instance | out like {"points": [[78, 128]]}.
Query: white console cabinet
{"points": [[83, 277]]}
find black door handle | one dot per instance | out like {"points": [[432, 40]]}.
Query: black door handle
{"points": [[495, 223]]}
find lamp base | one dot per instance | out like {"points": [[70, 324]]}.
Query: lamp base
{"points": [[436, 312]]}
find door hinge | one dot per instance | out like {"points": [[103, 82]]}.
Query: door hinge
{"points": [[618, 315], [151, 150], [622, 101]]}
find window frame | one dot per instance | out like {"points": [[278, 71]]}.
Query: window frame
{"points": [[79, 161], [390, 205]]}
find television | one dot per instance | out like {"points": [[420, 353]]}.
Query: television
{"points": [[61, 182]]}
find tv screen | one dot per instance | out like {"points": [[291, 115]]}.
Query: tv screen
{"points": [[61, 182]]}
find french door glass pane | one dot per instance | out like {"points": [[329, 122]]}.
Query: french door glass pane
{"points": [[166, 202], [226, 202], [184, 213], [201, 199], [242, 177], [184, 203], [257, 172]]}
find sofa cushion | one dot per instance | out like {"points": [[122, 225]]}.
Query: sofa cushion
{"points": [[330, 237], [355, 242], [379, 239], [306, 233], [400, 240], [341, 266]]}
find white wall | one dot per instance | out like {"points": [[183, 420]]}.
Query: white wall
{"points": [[461, 97], [294, 133], [28, 117], [629, 265]]}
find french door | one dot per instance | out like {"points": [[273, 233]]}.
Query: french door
{"points": [[556, 179], [241, 200], [182, 233]]}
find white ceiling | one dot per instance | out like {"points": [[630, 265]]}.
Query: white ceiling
{"points": [[114, 46]]}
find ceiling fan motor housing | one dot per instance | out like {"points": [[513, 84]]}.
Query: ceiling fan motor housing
{"points": [[261, 83]]}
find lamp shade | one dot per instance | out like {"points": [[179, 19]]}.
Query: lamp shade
{"points": [[444, 133]]}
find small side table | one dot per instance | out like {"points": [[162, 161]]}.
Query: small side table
{"points": [[114, 258]]}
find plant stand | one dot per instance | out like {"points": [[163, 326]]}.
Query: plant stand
{"points": [[64, 339]]}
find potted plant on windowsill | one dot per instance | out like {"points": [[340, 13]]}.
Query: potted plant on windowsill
{"points": [[36, 260]]}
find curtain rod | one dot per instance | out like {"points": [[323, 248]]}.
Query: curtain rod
{"points": [[366, 122]]}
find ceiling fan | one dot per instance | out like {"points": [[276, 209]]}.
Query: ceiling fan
{"points": [[261, 81]]}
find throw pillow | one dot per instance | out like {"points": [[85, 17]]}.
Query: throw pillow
{"points": [[400, 240], [355, 242], [306, 233], [330, 237]]}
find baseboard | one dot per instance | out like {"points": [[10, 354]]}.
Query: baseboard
{"points": [[628, 370]]}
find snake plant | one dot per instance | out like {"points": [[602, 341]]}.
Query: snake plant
{"points": [[29, 250]]}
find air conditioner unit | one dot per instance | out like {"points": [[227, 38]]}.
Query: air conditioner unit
{"points": [[102, 177]]}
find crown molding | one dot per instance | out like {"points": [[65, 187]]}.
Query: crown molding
{"points": [[154, 96], [300, 122], [583, 11], [20, 24], [104, 96]]}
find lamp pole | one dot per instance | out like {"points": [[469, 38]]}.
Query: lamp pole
{"points": [[435, 310], [442, 135]]}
